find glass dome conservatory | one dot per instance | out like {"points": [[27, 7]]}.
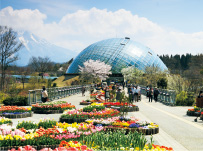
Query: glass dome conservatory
{"points": [[119, 53]]}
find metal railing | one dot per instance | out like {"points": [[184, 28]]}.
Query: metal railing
{"points": [[35, 96], [167, 97]]}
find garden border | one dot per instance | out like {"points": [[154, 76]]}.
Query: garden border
{"points": [[48, 111], [13, 116]]}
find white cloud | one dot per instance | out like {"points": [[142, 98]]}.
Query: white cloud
{"points": [[25, 19], [79, 29]]}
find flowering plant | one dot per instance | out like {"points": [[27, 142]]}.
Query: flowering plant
{"points": [[59, 105], [122, 123], [79, 127], [27, 125], [14, 110], [44, 123], [191, 112], [26, 148], [91, 108], [97, 104], [4, 120], [74, 145], [117, 104], [98, 114]]}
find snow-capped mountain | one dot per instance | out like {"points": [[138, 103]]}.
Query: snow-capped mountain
{"points": [[34, 46]]}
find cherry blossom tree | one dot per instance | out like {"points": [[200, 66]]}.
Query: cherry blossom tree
{"points": [[95, 69]]}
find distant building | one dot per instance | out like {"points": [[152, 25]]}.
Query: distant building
{"points": [[119, 53]]}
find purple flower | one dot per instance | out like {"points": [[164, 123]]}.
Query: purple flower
{"points": [[134, 125]]}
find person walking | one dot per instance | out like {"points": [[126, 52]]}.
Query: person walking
{"points": [[129, 88], [44, 94], [147, 91], [106, 94], [156, 93], [136, 94], [150, 94], [118, 95], [113, 87], [83, 91], [130, 96]]}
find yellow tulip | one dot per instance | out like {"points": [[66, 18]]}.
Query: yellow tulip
{"points": [[1, 137]]}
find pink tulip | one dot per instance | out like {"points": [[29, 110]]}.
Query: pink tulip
{"points": [[28, 147], [46, 149], [60, 149], [13, 149], [72, 149], [23, 139], [20, 149]]}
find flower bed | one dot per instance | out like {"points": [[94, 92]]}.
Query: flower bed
{"points": [[15, 112], [52, 108], [77, 146], [132, 124], [120, 141], [73, 136], [4, 120], [50, 136], [191, 112], [71, 116], [122, 107]]}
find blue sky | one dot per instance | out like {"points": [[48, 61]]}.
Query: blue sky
{"points": [[166, 26]]}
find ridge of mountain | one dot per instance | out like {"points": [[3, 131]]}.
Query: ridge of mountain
{"points": [[35, 46]]}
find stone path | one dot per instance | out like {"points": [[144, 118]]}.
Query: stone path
{"points": [[176, 129]]}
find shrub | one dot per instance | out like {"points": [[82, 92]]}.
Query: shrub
{"points": [[162, 83], [3, 96], [54, 84], [184, 99], [17, 100]]}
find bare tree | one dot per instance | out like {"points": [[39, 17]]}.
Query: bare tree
{"points": [[41, 65], [9, 46], [24, 72]]}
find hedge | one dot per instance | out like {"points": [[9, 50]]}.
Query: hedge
{"points": [[17, 100]]}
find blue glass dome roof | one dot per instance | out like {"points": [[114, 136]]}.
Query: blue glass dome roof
{"points": [[119, 53]]}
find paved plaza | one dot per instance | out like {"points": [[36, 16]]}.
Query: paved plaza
{"points": [[176, 129]]}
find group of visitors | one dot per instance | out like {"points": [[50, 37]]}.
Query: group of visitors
{"points": [[117, 89], [150, 93], [134, 93]]}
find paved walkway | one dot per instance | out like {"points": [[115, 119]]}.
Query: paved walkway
{"points": [[176, 129]]}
